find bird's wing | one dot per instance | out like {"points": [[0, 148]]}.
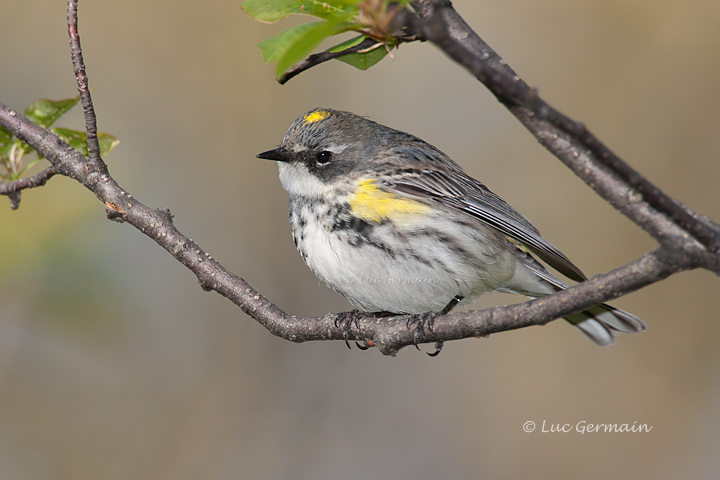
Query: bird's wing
{"points": [[463, 193]]}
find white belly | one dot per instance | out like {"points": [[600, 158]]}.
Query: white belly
{"points": [[419, 270]]}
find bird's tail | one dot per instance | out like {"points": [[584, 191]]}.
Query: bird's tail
{"points": [[602, 323]]}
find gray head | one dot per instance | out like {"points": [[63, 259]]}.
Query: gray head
{"points": [[326, 147]]}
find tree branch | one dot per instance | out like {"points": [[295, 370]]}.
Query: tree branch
{"points": [[388, 334], [318, 58], [82, 82], [570, 141], [678, 251], [12, 189]]}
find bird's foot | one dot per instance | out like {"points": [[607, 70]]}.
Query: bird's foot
{"points": [[348, 319], [421, 321]]}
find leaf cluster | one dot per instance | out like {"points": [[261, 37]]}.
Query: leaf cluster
{"points": [[370, 18], [45, 112]]}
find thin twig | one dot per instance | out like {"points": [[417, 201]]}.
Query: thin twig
{"points": [[389, 335], [12, 189], [82, 82], [318, 58]]}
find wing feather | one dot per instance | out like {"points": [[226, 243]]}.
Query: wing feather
{"points": [[467, 195]]}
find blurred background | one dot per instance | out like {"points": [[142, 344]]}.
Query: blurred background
{"points": [[114, 364]]}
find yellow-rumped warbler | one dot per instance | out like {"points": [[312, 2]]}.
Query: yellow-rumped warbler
{"points": [[396, 226]]}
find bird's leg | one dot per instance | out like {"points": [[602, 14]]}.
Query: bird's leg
{"points": [[348, 319], [421, 320]]}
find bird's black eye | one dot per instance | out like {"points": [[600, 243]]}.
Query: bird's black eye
{"points": [[323, 158]]}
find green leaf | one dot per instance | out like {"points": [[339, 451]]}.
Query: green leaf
{"points": [[45, 112], [78, 140], [347, 44], [6, 141], [363, 60], [294, 44], [306, 43], [270, 11], [274, 48], [107, 143]]}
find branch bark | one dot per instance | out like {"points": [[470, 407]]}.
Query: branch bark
{"points": [[13, 189], [569, 140], [76, 55], [687, 240]]}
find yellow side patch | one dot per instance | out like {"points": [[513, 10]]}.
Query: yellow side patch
{"points": [[375, 205], [316, 116]]}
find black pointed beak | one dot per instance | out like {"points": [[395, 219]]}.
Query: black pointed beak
{"points": [[280, 154]]}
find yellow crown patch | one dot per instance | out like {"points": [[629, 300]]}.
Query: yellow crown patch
{"points": [[316, 116], [375, 205]]}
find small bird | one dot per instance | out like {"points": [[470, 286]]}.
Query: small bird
{"points": [[398, 227]]}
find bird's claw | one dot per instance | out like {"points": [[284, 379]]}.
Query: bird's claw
{"points": [[347, 320], [438, 346], [422, 321], [362, 346], [427, 320]]}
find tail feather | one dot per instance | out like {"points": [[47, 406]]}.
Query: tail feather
{"points": [[601, 323]]}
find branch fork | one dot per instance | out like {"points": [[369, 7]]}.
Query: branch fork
{"points": [[687, 240]]}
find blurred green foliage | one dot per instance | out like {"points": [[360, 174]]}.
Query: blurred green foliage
{"points": [[370, 18], [45, 112]]}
